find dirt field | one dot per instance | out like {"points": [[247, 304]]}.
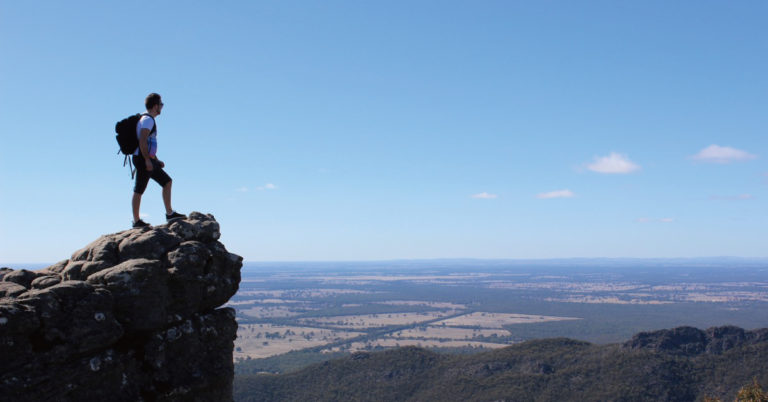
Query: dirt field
{"points": [[262, 301], [498, 320], [424, 303], [390, 278], [260, 293], [240, 303], [304, 293], [392, 342], [440, 332], [603, 300], [722, 297], [264, 340], [269, 312], [375, 320], [580, 287]]}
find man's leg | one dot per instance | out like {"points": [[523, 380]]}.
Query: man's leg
{"points": [[136, 204], [142, 178], [167, 197], [162, 178]]}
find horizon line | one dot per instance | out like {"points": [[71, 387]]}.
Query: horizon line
{"points": [[448, 259]]}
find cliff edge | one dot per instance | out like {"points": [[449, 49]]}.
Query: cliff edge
{"points": [[132, 316]]}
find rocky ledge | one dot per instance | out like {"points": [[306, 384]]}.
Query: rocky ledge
{"points": [[133, 316]]}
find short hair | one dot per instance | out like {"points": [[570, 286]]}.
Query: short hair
{"points": [[152, 100]]}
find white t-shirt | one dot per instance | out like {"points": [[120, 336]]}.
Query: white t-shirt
{"points": [[147, 122]]}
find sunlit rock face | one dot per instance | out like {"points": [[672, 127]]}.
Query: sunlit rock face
{"points": [[132, 316]]}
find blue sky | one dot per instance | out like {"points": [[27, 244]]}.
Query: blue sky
{"points": [[348, 130]]}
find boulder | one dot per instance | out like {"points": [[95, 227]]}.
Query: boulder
{"points": [[11, 289], [46, 281], [21, 277], [133, 315]]}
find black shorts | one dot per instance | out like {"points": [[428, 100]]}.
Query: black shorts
{"points": [[142, 175]]}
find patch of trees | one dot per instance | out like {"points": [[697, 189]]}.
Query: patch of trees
{"points": [[548, 370]]}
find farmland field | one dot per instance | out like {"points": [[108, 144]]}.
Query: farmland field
{"points": [[498, 320], [322, 308], [364, 321]]}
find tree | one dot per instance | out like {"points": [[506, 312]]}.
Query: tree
{"points": [[752, 393], [748, 393]]}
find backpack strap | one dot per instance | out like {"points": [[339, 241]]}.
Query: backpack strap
{"points": [[128, 159]]}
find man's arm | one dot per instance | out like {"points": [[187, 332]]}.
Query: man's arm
{"points": [[144, 147]]}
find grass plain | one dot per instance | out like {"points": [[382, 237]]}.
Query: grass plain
{"points": [[325, 308]]}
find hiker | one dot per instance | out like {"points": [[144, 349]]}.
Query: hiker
{"points": [[146, 162]]}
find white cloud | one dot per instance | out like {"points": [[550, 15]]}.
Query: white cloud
{"points": [[268, 186], [556, 194], [717, 154], [484, 195], [614, 163]]}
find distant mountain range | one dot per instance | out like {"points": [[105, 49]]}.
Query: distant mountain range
{"points": [[681, 364]]}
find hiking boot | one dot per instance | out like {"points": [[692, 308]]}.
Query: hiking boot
{"points": [[174, 216], [140, 224]]}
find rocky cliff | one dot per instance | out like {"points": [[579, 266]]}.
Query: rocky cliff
{"points": [[132, 316]]}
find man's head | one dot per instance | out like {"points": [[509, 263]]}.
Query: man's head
{"points": [[154, 103]]}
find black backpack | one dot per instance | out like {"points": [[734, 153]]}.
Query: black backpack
{"points": [[126, 133], [126, 136]]}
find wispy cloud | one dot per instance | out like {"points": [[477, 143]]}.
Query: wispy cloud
{"points": [[556, 194], [651, 220], [717, 154], [268, 186], [615, 163], [485, 196], [740, 197]]}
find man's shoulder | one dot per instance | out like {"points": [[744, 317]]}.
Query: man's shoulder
{"points": [[146, 121]]}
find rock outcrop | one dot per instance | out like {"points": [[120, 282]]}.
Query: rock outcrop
{"points": [[132, 316], [691, 341]]}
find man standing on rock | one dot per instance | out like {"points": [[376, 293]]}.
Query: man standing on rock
{"points": [[146, 162]]}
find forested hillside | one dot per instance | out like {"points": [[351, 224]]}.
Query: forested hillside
{"points": [[683, 364]]}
